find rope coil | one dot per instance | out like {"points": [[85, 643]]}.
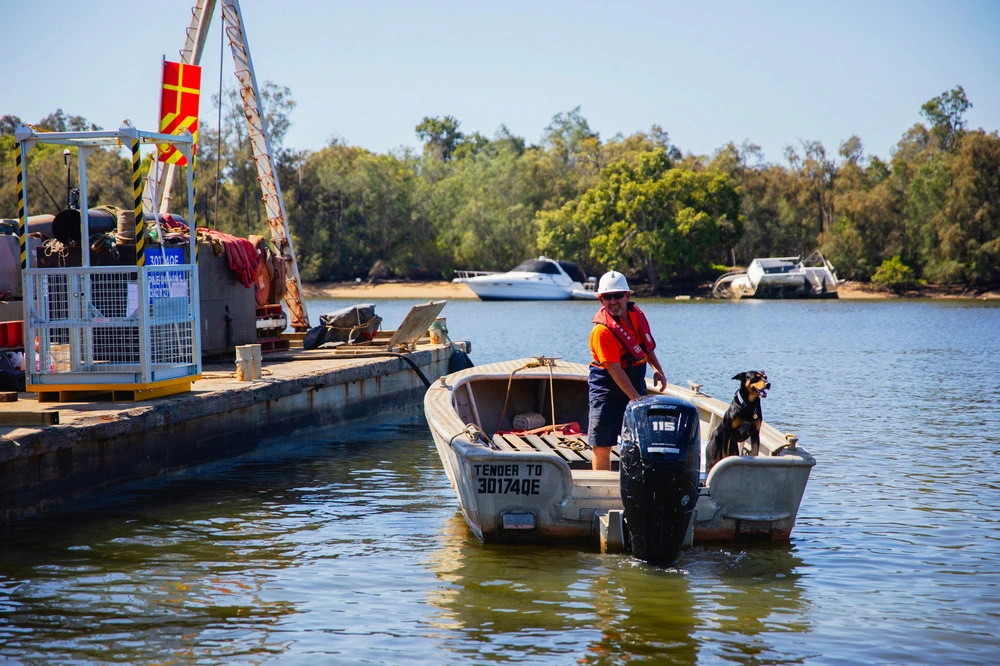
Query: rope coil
{"points": [[53, 246], [360, 326]]}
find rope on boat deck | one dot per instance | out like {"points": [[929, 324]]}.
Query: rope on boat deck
{"points": [[574, 444], [539, 362]]}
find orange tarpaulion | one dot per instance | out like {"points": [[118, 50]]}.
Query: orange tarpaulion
{"points": [[179, 106]]}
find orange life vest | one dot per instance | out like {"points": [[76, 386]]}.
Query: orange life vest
{"points": [[636, 348]]}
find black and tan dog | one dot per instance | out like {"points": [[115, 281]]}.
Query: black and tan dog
{"points": [[741, 421]]}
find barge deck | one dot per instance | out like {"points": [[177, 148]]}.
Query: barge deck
{"points": [[51, 453]]}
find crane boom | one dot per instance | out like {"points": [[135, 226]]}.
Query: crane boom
{"points": [[273, 203], [232, 17]]}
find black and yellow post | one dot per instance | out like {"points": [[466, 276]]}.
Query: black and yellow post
{"points": [[193, 229], [22, 216], [140, 225]]}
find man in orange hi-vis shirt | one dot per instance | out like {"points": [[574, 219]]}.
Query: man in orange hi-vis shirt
{"points": [[620, 345]]}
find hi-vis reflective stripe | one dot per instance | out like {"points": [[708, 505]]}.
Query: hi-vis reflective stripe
{"points": [[21, 217], [140, 227]]}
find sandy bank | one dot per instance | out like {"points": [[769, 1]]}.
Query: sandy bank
{"points": [[421, 291]]}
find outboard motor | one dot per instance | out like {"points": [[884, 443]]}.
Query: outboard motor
{"points": [[660, 465]]}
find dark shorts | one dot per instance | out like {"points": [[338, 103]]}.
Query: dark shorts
{"points": [[605, 422], [608, 403]]}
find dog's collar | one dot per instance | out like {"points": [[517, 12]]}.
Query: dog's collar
{"points": [[738, 399]]}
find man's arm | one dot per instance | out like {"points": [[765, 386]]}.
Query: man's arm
{"points": [[618, 374], [659, 379]]}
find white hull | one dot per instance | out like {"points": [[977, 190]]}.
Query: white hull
{"points": [[527, 285], [540, 488], [515, 287]]}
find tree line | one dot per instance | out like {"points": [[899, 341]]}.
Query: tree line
{"points": [[638, 204]]}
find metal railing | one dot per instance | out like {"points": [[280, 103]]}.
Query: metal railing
{"points": [[111, 325], [470, 274]]}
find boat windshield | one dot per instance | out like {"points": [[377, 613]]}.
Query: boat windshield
{"points": [[782, 265], [536, 266], [815, 260], [574, 272]]}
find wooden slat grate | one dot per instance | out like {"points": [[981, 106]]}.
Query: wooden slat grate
{"points": [[553, 445]]}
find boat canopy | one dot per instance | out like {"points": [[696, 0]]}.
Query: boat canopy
{"points": [[574, 272], [536, 266]]}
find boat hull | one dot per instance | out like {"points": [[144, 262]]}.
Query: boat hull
{"points": [[534, 494], [501, 288], [510, 292], [534, 280]]}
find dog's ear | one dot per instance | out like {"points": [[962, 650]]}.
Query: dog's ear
{"points": [[741, 376]]}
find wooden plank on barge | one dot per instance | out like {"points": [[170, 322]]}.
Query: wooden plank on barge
{"points": [[25, 418]]}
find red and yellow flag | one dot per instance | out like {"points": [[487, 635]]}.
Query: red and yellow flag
{"points": [[179, 106]]}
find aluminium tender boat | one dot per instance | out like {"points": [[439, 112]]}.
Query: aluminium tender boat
{"points": [[518, 478]]}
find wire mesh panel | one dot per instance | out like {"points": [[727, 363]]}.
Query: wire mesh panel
{"points": [[171, 316], [111, 325], [115, 328]]}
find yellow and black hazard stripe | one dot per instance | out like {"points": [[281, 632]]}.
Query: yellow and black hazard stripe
{"points": [[193, 229], [140, 225], [21, 216]]}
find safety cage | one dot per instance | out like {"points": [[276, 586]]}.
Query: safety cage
{"points": [[133, 331]]}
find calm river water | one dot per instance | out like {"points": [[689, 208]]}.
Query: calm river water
{"points": [[347, 547]]}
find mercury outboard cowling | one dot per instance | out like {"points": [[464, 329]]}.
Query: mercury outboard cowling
{"points": [[660, 464]]}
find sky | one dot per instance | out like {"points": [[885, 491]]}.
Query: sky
{"points": [[709, 73]]}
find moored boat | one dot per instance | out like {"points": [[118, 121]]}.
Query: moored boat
{"points": [[540, 279], [519, 479], [781, 277]]}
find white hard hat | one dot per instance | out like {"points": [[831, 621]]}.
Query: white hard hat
{"points": [[612, 281]]}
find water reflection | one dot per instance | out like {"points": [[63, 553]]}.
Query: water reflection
{"points": [[753, 602], [347, 547], [646, 613], [132, 589], [495, 601], [217, 566], [509, 597]]}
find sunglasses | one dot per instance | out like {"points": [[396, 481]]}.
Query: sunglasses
{"points": [[614, 295]]}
